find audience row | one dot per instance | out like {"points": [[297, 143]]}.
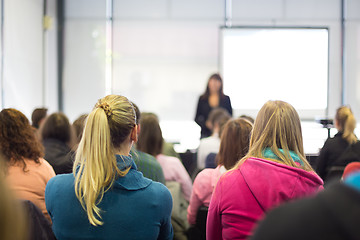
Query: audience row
{"points": [[110, 174]]}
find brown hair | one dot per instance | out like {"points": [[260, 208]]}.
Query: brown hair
{"points": [[277, 126], [150, 137], [218, 115], [347, 123], [217, 77], [234, 142], [17, 138], [37, 115], [57, 126], [78, 126]]}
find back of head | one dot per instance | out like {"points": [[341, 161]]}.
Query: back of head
{"points": [[218, 116], [37, 115], [78, 126], [277, 126], [57, 126], [249, 118], [150, 138], [234, 142], [17, 137], [107, 130], [347, 123]]}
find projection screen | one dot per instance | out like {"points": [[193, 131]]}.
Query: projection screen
{"points": [[276, 63]]}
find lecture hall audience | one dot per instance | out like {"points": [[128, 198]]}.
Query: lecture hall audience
{"points": [[259, 169], [233, 147], [274, 171]]}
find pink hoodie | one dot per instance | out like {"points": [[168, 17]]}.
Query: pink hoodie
{"points": [[203, 187], [242, 196]]}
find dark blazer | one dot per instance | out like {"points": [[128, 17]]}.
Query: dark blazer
{"points": [[333, 214], [203, 110], [331, 151], [59, 155]]}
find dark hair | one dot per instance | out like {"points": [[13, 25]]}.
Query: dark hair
{"points": [[217, 77], [234, 142], [57, 126], [78, 126], [150, 137], [17, 138], [37, 115]]}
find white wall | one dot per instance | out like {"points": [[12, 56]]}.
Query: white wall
{"points": [[84, 57], [23, 54], [26, 86]]}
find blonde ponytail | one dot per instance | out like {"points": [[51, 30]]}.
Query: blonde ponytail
{"points": [[95, 166], [347, 123]]}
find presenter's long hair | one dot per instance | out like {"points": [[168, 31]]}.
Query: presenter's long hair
{"points": [[107, 127], [347, 123], [277, 126]]}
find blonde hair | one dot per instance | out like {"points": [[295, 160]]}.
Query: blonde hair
{"points": [[277, 126], [347, 123], [95, 168]]}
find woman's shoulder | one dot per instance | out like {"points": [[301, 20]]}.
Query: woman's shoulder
{"points": [[61, 180], [41, 166], [204, 176], [159, 191]]}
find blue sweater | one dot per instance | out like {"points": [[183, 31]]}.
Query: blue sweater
{"points": [[134, 208]]}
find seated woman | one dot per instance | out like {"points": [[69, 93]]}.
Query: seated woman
{"points": [[234, 145], [106, 197], [334, 147], [58, 137], [151, 142], [274, 170], [27, 172]]}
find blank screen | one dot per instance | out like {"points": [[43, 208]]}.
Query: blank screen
{"points": [[289, 64]]}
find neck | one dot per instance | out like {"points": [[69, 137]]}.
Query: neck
{"points": [[124, 149]]}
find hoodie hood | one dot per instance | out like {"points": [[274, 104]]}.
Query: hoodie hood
{"points": [[272, 183]]}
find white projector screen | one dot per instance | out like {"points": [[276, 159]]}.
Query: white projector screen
{"points": [[290, 64]]}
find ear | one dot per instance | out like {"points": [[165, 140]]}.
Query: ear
{"points": [[134, 134], [138, 129]]}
